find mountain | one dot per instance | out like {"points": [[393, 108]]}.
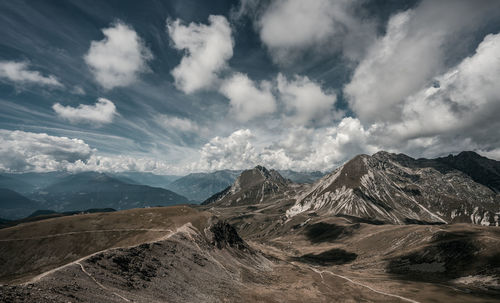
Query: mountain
{"points": [[199, 186], [37, 181], [481, 169], [13, 205], [12, 183], [149, 179], [301, 177], [398, 189], [97, 190], [252, 186]]}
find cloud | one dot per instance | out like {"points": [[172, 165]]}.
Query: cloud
{"points": [[119, 58], [305, 101], [320, 149], [176, 123], [25, 151], [102, 112], [248, 100], [300, 148], [463, 102], [418, 45], [233, 152], [208, 48], [18, 72], [290, 27], [78, 90]]}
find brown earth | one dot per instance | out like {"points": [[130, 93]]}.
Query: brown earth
{"points": [[181, 254]]}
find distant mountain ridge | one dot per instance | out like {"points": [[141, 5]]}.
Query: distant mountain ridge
{"points": [[98, 190], [15, 205], [200, 186]]}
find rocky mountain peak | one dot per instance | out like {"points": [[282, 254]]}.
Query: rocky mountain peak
{"points": [[396, 188], [252, 186]]}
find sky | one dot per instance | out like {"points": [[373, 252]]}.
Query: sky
{"points": [[173, 87]]}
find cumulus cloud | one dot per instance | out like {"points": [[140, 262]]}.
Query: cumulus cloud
{"points": [[248, 100], [233, 152], [25, 151], [416, 47], [320, 149], [18, 72], [302, 149], [288, 27], [464, 101], [102, 112], [119, 58], [207, 47], [176, 123], [306, 101]]}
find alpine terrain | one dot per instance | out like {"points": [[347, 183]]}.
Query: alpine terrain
{"points": [[380, 228]]}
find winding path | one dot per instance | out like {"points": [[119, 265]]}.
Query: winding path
{"points": [[320, 272], [85, 231]]}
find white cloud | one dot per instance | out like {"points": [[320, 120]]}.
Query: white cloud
{"points": [[417, 46], [288, 27], [233, 152], [119, 58], [176, 123], [305, 101], [248, 100], [299, 148], [464, 102], [18, 72], [208, 48], [319, 149], [25, 151], [100, 113]]}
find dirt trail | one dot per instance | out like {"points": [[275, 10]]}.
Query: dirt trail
{"points": [[85, 231], [171, 233], [320, 272], [100, 285]]}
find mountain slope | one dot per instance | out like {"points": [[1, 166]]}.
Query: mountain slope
{"points": [[200, 186], [12, 183], [252, 186], [13, 205], [481, 169], [399, 189], [149, 179], [97, 190]]}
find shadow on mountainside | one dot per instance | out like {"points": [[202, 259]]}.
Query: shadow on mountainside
{"points": [[334, 256], [448, 256], [326, 232]]}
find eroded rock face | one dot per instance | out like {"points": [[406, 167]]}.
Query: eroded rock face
{"points": [[225, 235], [398, 189], [253, 186]]}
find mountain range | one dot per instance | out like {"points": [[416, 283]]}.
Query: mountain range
{"points": [[391, 188], [77, 192], [379, 228]]}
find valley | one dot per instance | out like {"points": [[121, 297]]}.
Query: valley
{"points": [[373, 230]]}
